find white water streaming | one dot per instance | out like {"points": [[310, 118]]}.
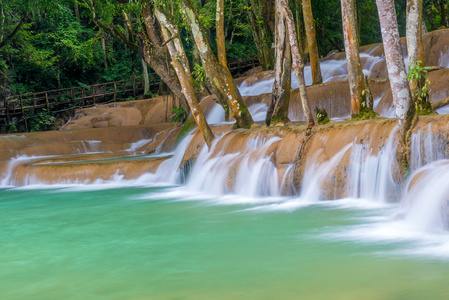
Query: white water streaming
{"points": [[216, 115], [90, 147], [317, 172], [370, 175], [13, 164], [426, 148], [443, 61], [331, 70], [248, 173]]}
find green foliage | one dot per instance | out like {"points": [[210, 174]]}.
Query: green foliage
{"points": [[199, 75], [321, 116], [40, 121], [417, 77], [179, 115]]}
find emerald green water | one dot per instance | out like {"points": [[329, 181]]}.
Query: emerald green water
{"points": [[144, 243]]}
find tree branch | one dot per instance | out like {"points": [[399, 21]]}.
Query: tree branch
{"points": [[14, 32]]}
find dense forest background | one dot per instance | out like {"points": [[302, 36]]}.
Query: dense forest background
{"points": [[56, 44]]}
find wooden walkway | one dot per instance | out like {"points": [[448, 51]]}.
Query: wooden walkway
{"points": [[27, 106]]}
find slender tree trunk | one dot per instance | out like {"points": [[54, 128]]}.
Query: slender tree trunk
{"points": [[355, 74], [309, 23], [262, 35], [443, 13], [298, 64], [396, 68], [217, 74], [221, 46], [146, 78], [280, 98], [415, 46], [77, 11], [181, 65], [103, 48], [155, 56]]}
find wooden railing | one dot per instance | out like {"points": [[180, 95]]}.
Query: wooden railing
{"points": [[56, 101]]}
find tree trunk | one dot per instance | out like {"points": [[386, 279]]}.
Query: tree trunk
{"points": [[103, 48], [309, 23], [181, 65], [280, 98], [262, 35], [355, 74], [221, 46], [77, 11], [415, 46], [396, 67], [298, 64], [146, 78], [155, 56], [216, 73], [443, 13]]}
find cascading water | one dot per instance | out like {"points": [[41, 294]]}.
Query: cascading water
{"points": [[254, 172], [370, 175]]}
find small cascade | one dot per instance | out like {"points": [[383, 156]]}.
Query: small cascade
{"points": [[91, 147], [427, 198], [249, 172], [371, 175], [137, 145], [216, 115], [169, 171], [317, 173], [8, 176], [427, 147], [443, 61]]}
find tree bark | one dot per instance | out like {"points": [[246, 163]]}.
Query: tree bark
{"points": [[415, 46], [181, 65], [217, 74], [355, 74], [280, 98], [146, 78], [9, 38], [298, 64], [396, 67], [309, 24], [221, 46], [262, 34], [103, 48]]}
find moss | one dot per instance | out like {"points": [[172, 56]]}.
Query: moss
{"points": [[321, 116], [188, 126], [365, 114]]}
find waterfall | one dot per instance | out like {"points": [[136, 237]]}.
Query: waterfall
{"points": [[249, 172], [427, 198]]}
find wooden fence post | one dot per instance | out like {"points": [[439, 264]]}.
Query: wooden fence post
{"points": [[72, 95], [8, 119], [93, 94], [115, 91], [23, 113], [48, 104], [238, 66], [134, 87]]}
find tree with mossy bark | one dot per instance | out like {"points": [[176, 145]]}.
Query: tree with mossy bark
{"points": [[280, 97], [314, 57], [358, 86], [109, 16], [402, 100], [180, 63], [298, 64], [415, 48], [218, 75], [262, 26]]}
